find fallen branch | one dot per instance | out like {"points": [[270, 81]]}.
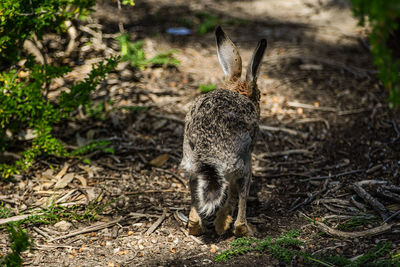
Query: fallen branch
{"points": [[18, 218], [370, 232], [358, 205], [392, 188], [41, 232], [370, 200], [285, 130], [388, 194], [156, 191], [371, 182], [283, 153], [157, 223], [308, 106], [312, 197], [396, 214], [311, 120], [88, 229], [142, 215], [331, 176]]}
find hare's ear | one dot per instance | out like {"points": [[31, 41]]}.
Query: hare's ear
{"points": [[252, 70], [228, 55]]}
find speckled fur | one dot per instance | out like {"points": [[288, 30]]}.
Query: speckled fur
{"points": [[220, 133]]}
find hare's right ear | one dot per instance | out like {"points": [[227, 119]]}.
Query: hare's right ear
{"points": [[228, 55], [252, 70]]}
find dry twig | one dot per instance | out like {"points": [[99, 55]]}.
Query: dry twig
{"points": [[283, 129], [157, 223], [308, 106], [312, 197], [331, 176], [88, 229], [396, 214], [17, 218], [283, 153]]}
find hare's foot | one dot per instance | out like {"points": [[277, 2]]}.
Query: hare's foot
{"points": [[195, 227], [242, 229], [222, 222]]}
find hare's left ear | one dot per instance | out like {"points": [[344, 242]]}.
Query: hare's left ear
{"points": [[228, 55], [252, 70]]}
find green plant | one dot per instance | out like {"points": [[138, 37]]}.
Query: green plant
{"points": [[55, 213], [280, 248], [100, 145], [23, 19], [205, 88], [134, 53], [19, 243], [384, 18], [4, 211], [24, 107], [24, 86], [285, 247], [377, 256], [208, 22], [353, 223]]}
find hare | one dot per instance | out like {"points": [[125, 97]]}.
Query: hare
{"points": [[219, 135]]}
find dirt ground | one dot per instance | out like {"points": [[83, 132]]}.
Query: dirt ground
{"points": [[326, 130]]}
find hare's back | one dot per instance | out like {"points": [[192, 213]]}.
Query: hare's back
{"points": [[221, 125]]}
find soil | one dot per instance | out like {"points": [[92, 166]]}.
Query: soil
{"points": [[325, 125]]}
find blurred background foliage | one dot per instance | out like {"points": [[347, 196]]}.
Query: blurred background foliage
{"points": [[383, 18]]}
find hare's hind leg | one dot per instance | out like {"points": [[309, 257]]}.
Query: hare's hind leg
{"points": [[195, 224], [223, 218], [241, 227], [195, 227]]}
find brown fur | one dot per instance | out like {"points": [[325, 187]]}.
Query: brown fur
{"points": [[241, 87]]}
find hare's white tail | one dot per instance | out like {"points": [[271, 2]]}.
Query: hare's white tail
{"points": [[211, 187]]}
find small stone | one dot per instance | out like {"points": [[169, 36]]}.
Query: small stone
{"points": [[213, 248], [63, 226], [121, 203]]}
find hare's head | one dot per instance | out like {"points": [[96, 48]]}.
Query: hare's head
{"points": [[231, 63]]}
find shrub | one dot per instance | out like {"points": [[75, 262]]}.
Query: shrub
{"points": [[19, 243], [24, 107], [22, 19], [23, 82], [134, 53], [384, 17]]}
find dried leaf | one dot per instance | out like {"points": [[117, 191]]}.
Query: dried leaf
{"points": [[27, 135], [63, 182], [80, 140], [82, 180], [47, 185], [91, 170], [48, 174], [62, 172], [159, 160]]}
